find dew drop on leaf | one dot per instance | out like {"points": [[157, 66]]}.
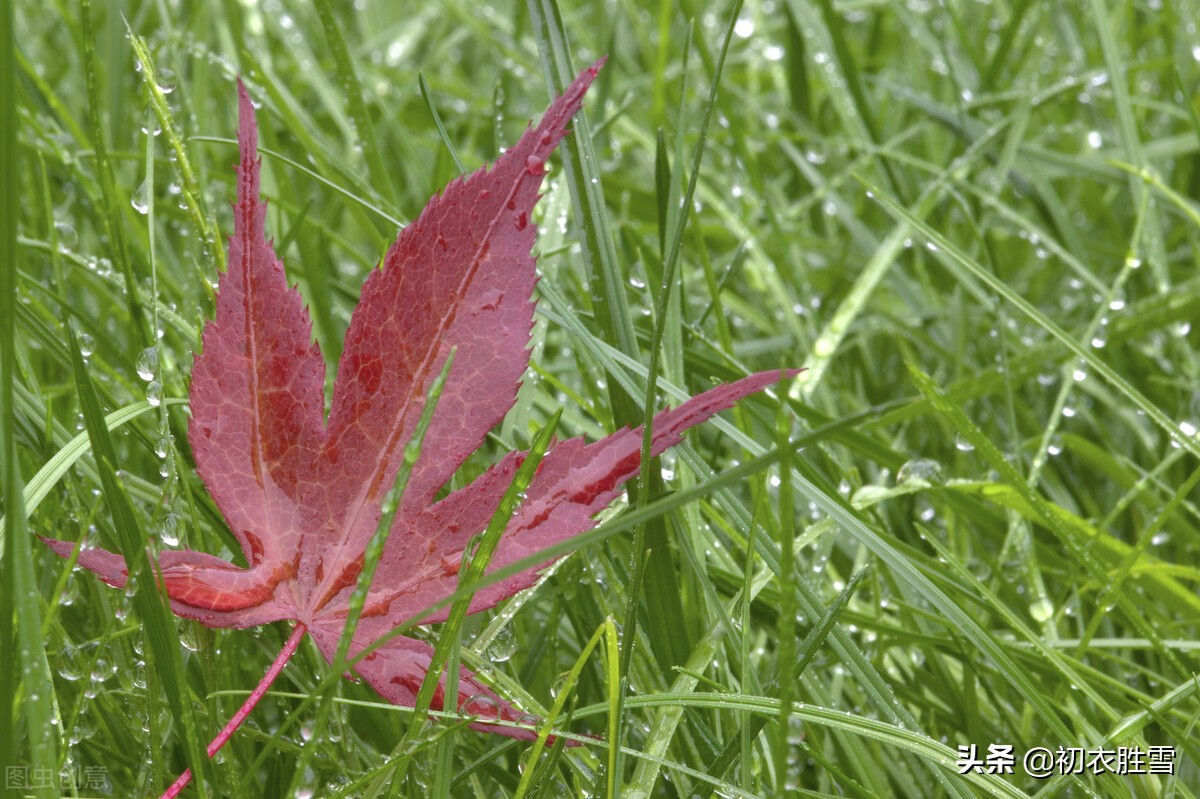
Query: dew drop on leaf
{"points": [[154, 393], [87, 345]]}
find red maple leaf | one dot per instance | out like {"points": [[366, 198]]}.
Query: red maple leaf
{"points": [[303, 497]]}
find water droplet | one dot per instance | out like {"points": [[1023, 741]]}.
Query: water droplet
{"points": [[154, 393], [103, 670], [71, 664], [535, 166], [1042, 610], [170, 530], [87, 345], [163, 445], [151, 125], [923, 470], [962, 444], [502, 646], [67, 237], [306, 732], [147, 363], [140, 199], [165, 80], [480, 705]]}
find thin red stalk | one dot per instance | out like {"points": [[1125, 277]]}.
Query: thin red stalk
{"points": [[285, 654]]}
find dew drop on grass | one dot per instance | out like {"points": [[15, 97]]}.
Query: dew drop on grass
{"points": [[502, 646], [103, 670], [151, 127], [154, 393], [922, 470], [163, 446], [70, 663], [87, 345], [188, 637], [1042, 610], [67, 237], [560, 682], [147, 363], [140, 199], [481, 705], [170, 530], [165, 80], [306, 732], [962, 444]]}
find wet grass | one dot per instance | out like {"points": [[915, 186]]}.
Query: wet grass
{"points": [[972, 521]]}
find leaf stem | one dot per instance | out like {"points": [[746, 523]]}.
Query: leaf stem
{"points": [[285, 654]]}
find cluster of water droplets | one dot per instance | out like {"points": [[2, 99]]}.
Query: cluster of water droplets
{"points": [[147, 370]]}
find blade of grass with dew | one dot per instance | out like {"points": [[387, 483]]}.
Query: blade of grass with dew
{"points": [[113, 221], [657, 566], [161, 637], [201, 219], [381, 178], [437, 120], [23, 666], [873, 683], [598, 253], [53, 470], [961, 265], [752, 724], [938, 755], [607, 631]]}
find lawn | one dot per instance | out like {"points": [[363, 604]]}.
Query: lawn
{"points": [[959, 555]]}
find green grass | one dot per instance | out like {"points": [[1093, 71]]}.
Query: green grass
{"points": [[973, 520]]}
